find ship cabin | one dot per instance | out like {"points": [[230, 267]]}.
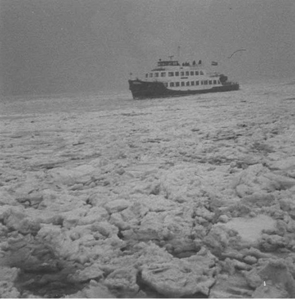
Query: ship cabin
{"points": [[166, 63], [183, 76]]}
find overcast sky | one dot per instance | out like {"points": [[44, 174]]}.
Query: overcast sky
{"points": [[56, 46]]}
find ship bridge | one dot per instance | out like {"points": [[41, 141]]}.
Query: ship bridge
{"points": [[162, 64], [165, 63]]}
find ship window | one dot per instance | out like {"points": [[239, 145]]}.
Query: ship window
{"points": [[170, 74], [205, 82], [163, 74], [197, 72], [187, 73], [146, 75], [201, 73], [192, 73], [210, 81], [182, 83], [197, 82], [214, 81], [151, 74], [202, 82], [192, 83], [182, 73], [187, 83], [171, 83], [157, 74], [177, 83], [176, 73]]}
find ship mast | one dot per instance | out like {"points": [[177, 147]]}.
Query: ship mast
{"points": [[178, 53]]}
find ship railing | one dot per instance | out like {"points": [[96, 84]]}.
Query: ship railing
{"points": [[215, 74]]}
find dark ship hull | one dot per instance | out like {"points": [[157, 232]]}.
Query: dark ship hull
{"points": [[144, 89]]}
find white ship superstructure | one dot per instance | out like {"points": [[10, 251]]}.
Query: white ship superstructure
{"points": [[183, 77], [169, 78]]}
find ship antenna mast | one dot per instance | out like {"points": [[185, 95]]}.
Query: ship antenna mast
{"points": [[178, 53]]}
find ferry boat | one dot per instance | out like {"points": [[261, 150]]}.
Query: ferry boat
{"points": [[169, 79]]}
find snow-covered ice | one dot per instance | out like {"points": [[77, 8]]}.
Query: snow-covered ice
{"points": [[104, 196]]}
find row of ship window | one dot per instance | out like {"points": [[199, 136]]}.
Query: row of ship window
{"points": [[192, 83], [171, 74]]}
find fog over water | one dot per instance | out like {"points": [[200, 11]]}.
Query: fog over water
{"points": [[57, 46]]}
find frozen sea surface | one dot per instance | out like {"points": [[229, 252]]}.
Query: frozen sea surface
{"points": [[105, 196], [104, 101]]}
